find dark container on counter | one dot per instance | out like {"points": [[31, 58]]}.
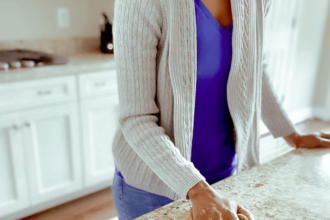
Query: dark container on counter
{"points": [[106, 35]]}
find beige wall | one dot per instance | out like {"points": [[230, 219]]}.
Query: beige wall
{"points": [[36, 19]]}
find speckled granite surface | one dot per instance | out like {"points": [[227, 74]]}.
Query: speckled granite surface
{"points": [[293, 186], [79, 63]]}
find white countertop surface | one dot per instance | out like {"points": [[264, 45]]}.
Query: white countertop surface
{"points": [[80, 63], [293, 186]]}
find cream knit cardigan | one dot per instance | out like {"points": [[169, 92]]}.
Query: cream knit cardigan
{"points": [[156, 63]]}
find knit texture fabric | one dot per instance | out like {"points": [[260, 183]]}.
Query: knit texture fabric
{"points": [[156, 63]]}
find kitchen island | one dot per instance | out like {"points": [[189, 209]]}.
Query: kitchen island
{"points": [[293, 186]]}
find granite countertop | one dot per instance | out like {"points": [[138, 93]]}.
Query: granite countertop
{"points": [[293, 186], [80, 63]]}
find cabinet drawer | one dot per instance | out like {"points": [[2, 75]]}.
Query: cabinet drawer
{"points": [[34, 93], [99, 83]]}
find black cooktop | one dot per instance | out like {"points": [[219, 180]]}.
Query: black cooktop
{"points": [[39, 58]]}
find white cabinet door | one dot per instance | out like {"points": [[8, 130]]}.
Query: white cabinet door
{"points": [[13, 178], [99, 124], [51, 137]]}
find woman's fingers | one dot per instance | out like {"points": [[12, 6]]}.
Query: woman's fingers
{"points": [[325, 135], [242, 217], [244, 213], [325, 142]]}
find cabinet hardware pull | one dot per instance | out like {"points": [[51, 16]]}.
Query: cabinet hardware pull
{"points": [[44, 92], [15, 127], [27, 124], [99, 84]]}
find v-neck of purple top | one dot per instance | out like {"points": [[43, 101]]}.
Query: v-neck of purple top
{"points": [[213, 152]]}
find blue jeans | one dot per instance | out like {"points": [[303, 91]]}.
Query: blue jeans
{"points": [[131, 202]]}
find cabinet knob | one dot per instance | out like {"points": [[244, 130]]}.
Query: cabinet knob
{"points": [[15, 127], [27, 124]]}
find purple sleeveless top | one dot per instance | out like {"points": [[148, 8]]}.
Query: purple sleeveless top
{"points": [[213, 152]]}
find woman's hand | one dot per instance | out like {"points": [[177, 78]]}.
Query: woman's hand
{"points": [[209, 204], [314, 140]]}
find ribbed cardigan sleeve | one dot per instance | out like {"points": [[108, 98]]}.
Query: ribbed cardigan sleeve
{"points": [[137, 31], [272, 113]]}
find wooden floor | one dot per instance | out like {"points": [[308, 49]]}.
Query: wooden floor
{"points": [[96, 206], [99, 205]]}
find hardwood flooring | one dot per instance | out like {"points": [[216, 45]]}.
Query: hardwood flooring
{"points": [[100, 206], [96, 206]]}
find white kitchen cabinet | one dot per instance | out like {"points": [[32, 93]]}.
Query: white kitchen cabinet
{"points": [[35, 93], [93, 85], [99, 123], [51, 140], [55, 147], [14, 195]]}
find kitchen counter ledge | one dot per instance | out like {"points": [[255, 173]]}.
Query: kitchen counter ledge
{"points": [[293, 186], [78, 64]]}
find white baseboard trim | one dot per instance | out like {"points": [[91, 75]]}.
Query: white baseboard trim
{"points": [[322, 113]]}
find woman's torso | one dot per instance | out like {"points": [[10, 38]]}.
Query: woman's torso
{"points": [[175, 70], [213, 152]]}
